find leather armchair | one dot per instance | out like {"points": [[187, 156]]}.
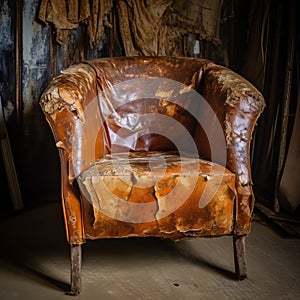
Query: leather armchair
{"points": [[153, 146]]}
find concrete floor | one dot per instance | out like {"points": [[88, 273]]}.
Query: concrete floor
{"points": [[34, 264]]}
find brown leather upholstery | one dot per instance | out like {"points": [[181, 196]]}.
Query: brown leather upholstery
{"points": [[146, 107], [172, 197]]}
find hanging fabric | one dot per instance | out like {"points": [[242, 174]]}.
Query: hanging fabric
{"points": [[68, 14], [158, 27]]}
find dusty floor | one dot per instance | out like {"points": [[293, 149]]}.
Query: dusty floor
{"points": [[34, 264]]}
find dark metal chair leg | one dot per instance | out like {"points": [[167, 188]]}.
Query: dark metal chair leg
{"points": [[240, 257], [75, 269]]}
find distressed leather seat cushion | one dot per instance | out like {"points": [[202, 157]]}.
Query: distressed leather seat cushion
{"points": [[157, 194]]}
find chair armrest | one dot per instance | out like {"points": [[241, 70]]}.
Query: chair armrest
{"points": [[71, 107], [238, 105], [67, 101]]}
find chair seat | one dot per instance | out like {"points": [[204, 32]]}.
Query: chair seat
{"points": [[157, 194]]}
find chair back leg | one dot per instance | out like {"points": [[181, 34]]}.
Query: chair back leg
{"points": [[240, 257]]}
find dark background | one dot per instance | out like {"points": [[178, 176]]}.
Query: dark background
{"points": [[259, 39]]}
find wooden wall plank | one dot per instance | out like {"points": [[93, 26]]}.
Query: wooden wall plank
{"points": [[40, 171], [7, 84], [7, 56]]}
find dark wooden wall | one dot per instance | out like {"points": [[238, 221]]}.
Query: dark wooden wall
{"points": [[255, 37], [29, 58]]}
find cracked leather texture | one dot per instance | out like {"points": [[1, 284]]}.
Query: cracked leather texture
{"points": [[81, 141]]}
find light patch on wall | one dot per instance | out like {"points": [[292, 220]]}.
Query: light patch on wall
{"points": [[35, 53], [6, 42], [8, 110]]}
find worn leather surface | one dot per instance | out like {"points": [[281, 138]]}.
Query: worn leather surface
{"points": [[157, 193], [74, 116]]}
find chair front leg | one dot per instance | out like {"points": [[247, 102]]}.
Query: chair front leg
{"points": [[240, 256], [75, 269]]}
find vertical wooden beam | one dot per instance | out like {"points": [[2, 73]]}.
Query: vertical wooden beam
{"points": [[18, 54], [18, 80], [52, 50]]}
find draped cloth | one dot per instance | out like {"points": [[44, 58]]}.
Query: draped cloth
{"points": [[289, 190], [68, 14], [157, 27], [151, 27]]}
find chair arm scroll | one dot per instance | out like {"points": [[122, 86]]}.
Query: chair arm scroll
{"points": [[238, 105], [71, 107]]}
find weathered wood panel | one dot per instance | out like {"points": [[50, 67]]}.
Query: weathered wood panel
{"points": [[7, 84], [40, 179], [41, 58], [31, 49], [7, 56]]}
